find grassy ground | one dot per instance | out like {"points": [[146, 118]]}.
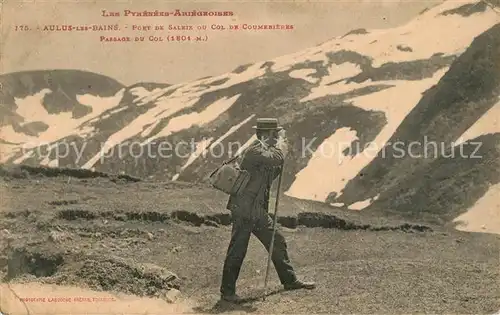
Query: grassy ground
{"points": [[95, 232]]}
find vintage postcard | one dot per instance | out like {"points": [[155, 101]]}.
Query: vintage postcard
{"points": [[233, 157]]}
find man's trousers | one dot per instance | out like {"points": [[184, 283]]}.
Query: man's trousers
{"points": [[262, 228]]}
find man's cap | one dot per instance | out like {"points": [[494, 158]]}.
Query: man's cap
{"points": [[267, 124]]}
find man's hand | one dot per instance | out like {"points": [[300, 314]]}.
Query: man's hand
{"points": [[281, 143], [282, 134]]}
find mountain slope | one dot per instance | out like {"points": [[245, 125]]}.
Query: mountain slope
{"points": [[41, 107], [469, 90], [363, 88]]}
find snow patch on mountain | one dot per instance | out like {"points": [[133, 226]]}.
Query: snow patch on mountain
{"points": [[396, 102], [336, 73], [196, 88], [187, 121], [153, 117], [142, 93], [59, 125], [448, 34], [50, 162], [488, 123], [201, 147], [115, 111], [286, 62], [323, 167], [360, 205], [304, 74], [484, 215], [144, 97], [231, 131]]}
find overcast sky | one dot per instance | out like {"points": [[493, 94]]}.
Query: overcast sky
{"points": [[314, 22]]}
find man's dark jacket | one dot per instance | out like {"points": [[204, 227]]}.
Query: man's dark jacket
{"points": [[264, 164]]}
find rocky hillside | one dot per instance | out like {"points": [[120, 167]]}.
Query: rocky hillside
{"points": [[433, 79]]}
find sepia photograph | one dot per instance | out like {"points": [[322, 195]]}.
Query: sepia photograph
{"points": [[249, 157]]}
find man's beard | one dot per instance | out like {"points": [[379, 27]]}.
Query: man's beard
{"points": [[268, 141]]}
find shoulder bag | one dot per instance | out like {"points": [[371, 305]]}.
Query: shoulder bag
{"points": [[229, 177]]}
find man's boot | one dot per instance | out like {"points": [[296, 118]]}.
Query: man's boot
{"points": [[299, 284], [231, 298]]}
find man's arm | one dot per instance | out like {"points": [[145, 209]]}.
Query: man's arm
{"points": [[265, 156]]}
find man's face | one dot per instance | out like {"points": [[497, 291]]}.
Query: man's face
{"points": [[269, 137]]}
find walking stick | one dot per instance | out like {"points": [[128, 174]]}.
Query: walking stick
{"points": [[275, 219]]}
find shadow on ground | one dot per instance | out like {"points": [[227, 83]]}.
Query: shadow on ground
{"points": [[245, 305]]}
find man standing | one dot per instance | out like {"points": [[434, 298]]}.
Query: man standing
{"points": [[249, 210]]}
